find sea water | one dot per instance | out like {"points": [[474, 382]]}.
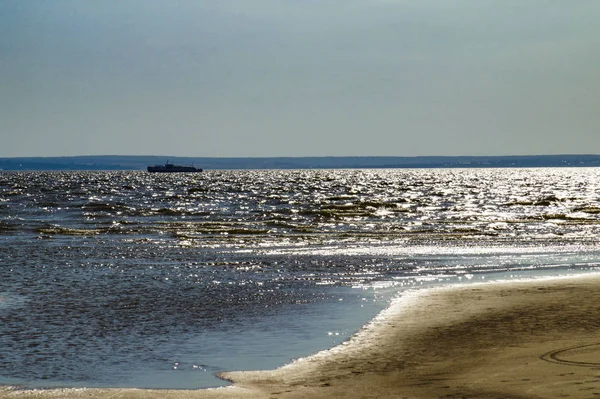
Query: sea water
{"points": [[130, 279]]}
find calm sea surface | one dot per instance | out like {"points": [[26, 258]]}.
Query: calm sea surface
{"points": [[130, 279]]}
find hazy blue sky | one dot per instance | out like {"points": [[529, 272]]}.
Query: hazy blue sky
{"points": [[299, 77]]}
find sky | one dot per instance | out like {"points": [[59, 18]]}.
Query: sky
{"points": [[262, 78]]}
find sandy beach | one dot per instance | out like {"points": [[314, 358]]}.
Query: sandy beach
{"points": [[535, 339]]}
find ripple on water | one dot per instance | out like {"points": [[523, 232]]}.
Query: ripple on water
{"points": [[9, 301]]}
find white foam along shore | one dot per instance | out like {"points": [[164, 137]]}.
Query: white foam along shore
{"points": [[485, 339]]}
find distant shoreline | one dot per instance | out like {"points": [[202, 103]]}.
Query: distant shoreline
{"points": [[140, 162]]}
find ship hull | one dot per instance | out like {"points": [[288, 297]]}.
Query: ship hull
{"points": [[170, 168]]}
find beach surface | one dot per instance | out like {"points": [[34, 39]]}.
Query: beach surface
{"points": [[528, 339]]}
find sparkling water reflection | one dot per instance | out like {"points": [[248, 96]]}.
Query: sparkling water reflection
{"points": [[146, 280]]}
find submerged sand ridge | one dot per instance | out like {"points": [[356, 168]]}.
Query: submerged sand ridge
{"points": [[535, 339]]}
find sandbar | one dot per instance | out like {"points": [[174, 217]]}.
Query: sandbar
{"points": [[519, 339]]}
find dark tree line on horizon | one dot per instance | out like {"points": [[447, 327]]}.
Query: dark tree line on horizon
{"points": [[140, 162]]}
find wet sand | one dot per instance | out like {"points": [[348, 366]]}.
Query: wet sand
{"points": [[537, 339]]}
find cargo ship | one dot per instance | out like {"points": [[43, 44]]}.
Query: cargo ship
{"points": [[171, 168]]}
